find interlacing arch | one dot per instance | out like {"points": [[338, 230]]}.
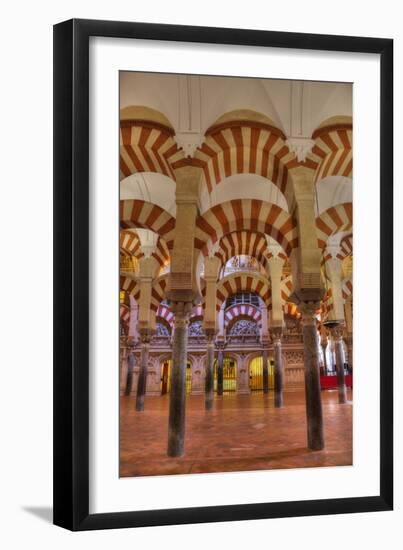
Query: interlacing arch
{"points": [[242, 311], [332, 154], [346, 247], [165, 313], [244, 147], [243, 282], [333, 220], [246, 214], [291, 309], [243, 242], [131, 286], [158, 291], [286, 288], [124, 314], [147, 146], [130, 244], [347, 287], [139, 213]]}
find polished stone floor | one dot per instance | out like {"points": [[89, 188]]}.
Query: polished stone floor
{"points": [[243, 432]]}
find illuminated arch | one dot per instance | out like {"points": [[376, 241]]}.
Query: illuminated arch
{"points": [[332, 154], [242, 311], [147, 146], [139, 213], [244, 146], [334, 220], [246, 214], [243, 282]]}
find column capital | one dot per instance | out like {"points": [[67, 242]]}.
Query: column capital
{"points": [[145, 335], [276, 334], [337, 331], [308, 311], [210, 335], [182, 311], [220, 345]]}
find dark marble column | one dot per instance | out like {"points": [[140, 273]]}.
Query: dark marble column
{"points": [[177, 397], [209, 380], [278, 367], [265, 371], [220, 368], [337, 333], [324, 348], [314, 415], [145, 336], [130, 367]]}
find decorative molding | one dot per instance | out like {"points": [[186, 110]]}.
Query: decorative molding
{"points": [[300, 146]]}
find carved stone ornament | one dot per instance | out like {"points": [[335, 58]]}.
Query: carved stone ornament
{"points": [[300, 146], [244, 327]]}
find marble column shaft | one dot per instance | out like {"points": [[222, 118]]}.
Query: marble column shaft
{"points": [[324, 348], [220, 372], [142, 379], [177, 398], [278, 370], [265, 371], [130, 367], [337, 333], [209, 380], [314, 414]]}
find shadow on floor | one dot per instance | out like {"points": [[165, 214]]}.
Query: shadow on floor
{"points": [[45, 513]]}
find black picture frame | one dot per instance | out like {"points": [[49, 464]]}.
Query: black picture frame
{"points": [[71, 274]]}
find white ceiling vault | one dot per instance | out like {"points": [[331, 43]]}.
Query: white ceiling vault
{"points": [[194, 103], [190, 104]]}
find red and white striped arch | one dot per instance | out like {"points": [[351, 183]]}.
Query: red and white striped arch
{"points": [[124, 313], [243, 282], [165, 313], [346, 247], [242, 242], [242, 310], [332, 154], [147, 147], [158, 291], [197, 311], [246, 215], [244, 147], [130, 244], [347, 287], [333, 220], [131, 286], [138, 213], [291, 309], [286, 288]]}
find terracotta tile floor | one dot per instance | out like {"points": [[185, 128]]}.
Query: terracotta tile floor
{"points": [[243, 432]]}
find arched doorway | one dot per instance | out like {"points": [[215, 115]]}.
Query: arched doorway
{"points": [[256, 373], [229, 374], [166, 377]]}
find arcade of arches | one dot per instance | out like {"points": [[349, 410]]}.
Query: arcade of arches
{"points": [[236, 246]]}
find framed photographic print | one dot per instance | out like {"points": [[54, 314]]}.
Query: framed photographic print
{"points": [[223, 316]]}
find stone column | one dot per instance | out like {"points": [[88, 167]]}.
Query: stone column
{"points": [[123, 364], [145, 336], [209, 380], [313, 399], [324, 349], [278, 366], [337, 333], [177, 398], [130, 367], [348, 308], [265, 371], [220, 367]]}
